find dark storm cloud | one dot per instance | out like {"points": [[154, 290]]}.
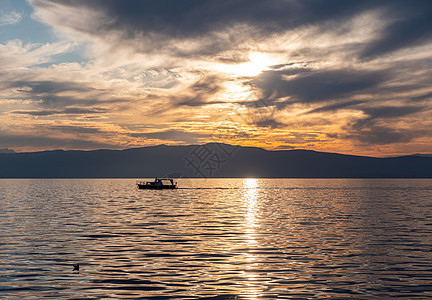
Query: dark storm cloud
{"points": [[408, 22], [336, 106], [391, 112], [319, 86], [191, 18], [410, 25]]}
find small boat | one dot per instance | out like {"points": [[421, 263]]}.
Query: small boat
{"points": [[158, 184]]}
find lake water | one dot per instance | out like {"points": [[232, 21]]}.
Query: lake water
{"points": [[221, 238]]}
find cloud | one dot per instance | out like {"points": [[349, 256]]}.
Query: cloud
{"points": [[422, 97], [60, 94], [173, 135], [269, 122], [191, 28], [10, 17], [336, 106], [391, 112], [49, 87], [76, 129], [316, 86], [409, 25], [16, 54], [67, 111], [381, 135], [372, 129], [206, 27], [200, 92], [23, 141]]}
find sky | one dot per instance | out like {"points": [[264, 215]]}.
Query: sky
{"points": [[341, 76]]}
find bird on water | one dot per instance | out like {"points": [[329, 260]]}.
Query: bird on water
{"points": [[76, 267]]}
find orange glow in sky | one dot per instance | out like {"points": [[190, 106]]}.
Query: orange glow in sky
{"points": [[277, 75]]}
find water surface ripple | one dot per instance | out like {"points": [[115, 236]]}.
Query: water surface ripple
{"points": [[227, 239]]}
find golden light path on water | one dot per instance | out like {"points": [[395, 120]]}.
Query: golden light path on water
{"points": [[250, 200]]}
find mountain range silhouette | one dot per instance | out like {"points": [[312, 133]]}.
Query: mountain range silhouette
{"points": [[208, 160]]}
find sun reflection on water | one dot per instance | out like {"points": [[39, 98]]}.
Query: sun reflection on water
{"points": [[251, 185], [254, 289]]}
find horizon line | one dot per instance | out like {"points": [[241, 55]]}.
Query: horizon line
{"points": [[11, 151]]}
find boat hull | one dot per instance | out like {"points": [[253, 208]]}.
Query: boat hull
{"points": [[155, 187]]}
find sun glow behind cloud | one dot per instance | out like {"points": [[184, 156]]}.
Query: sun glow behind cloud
{"points": [[258, 62]]}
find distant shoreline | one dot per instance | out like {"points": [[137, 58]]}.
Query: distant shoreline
{"points": [[211, 160], [139, 178]]}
